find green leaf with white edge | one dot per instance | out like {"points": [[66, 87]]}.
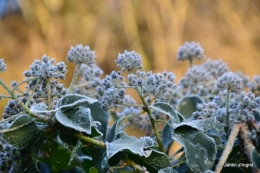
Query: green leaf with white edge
{"points": [[22, 131], [129, 143], [115, 129], [41, 108], [188, 105], [79, 119], [155, 162], [202, 125], [255, 157], [167, 170], [200, 149], [167, 135], [57, 157], [72, 102], [166, 109]]}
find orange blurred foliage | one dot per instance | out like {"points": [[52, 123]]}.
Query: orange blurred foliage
{"points": [[153, 28]]}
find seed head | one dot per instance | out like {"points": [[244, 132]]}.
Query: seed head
{"points": [[190, 51], [81, 54], [2, 65], [129, 61], [230, 81]]}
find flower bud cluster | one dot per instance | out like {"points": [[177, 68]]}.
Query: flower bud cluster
{"points": [[245, 106], [46, 69], [215, 68], [257, 79], [129, 61], [255, 86], [41, 91], [81, 55], [10, 159], [90, 80], [190, 51], [112, 97], [195, 79], [108, 92], [230, 81], [12, 108], [2, 65], [157, 84]]}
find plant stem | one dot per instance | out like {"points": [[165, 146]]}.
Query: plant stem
{"points": [[152, 119], [25, 108], [134, 115], [132, 164], [31, 94], [178, 164], [49, 94], [159, 120], [27, 80], [246, 137], [229, 146], [191, 63], [16, 128], [227, 109], [89, 140], [74, 79]]}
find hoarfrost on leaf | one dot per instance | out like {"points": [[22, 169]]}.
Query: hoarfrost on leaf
{"points": [[134, 145]]}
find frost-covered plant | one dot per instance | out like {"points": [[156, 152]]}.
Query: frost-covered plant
{"points": [[46, 127]]}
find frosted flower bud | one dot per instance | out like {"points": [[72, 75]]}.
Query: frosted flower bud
{"points": [[230, 81], [190, 51], [129, 61], [257, 79], [27, 73], [2, 65], [81, 54], [45, 59]]}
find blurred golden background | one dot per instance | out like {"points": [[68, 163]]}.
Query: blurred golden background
{"points": [[154, 28]]}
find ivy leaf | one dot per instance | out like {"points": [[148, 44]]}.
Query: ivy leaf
{"points": [[79, 119], [202, 125], [72, 103], [41, 108], [255, 157], [167, 170], [200, 149], [57, 157], [21, 132], [156, 161], [188, 105], [123, 142], [115, 129], [167, 135], [167, 109]]}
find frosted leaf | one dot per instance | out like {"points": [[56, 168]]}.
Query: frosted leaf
{"points": [[40, 108], [79, 119], [130, 143], [255, 157], [202, 125], [115, 129], [23, 135], [187, 105], [69, 104], [196, 145], [167, 170], [167, 135], [156, 161], [167, 109]]}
